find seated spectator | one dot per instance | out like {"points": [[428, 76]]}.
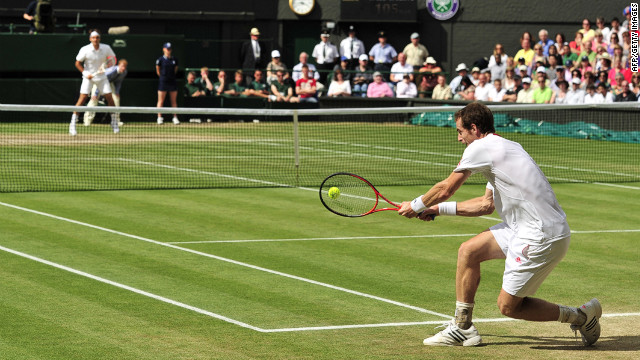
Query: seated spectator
{"points": [[568, 56], [560, 95], [191, 88], [400, 68], [616, 28], [576, 44], [362, 77], [508, 82], [542, 94], [258, 86], [588, 53], [512, 95], [615, 41], [586, 30], [606, 94], [536, 83], [496, 94], [456, 82], [428, 77], [296, 74], [339, 86], [593, 97], [306, 87], [281, 90], [467, 92], [560, 76], [598, 41], [526, 52], [576, 94], [344, 66], [619, 68], [616, 85], [481, 92], [523, 71], [538, 56], [378, 88], [560, 40], [274, 65], [589, 79], [551, 68], [626, 94], [498, 63], [545, 41], [220, 86], [600, 25], [203, 81], [475, 75], [603, 78], [525, 96], [406, 88], [442, 91], [237, 88]]}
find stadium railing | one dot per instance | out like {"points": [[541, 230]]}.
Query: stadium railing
{"points": [[231, 148]]}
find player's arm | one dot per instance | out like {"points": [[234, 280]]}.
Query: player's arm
{"points": [[482, 205], [440, 192], [158, 70]]}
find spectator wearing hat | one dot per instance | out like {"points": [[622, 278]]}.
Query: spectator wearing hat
{"points": [[378, 88], [627, 14], [362, 77], [253, 54], [536, 83], [416, 53], [441, 91], [326, 55], [352, 48], [475, 75], [428, 77], [525, 96], [456, 82], [576, 94], [382, 54], [543, 93], [344, 67], [274, 65], [560, 93]]}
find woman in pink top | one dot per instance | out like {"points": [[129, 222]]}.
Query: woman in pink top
{"points": [[378, 88]]}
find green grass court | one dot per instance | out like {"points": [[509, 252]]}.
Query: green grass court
{"points": [[268, 273]]}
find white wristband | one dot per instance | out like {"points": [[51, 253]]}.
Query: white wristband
{"points": [[417, 205], [448, 208]]}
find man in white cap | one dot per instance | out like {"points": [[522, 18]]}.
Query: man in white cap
{"points": [[326, 55], [462, 71], [351, 47], [89, 60], [525, 96], [253, 54], [576, 94], [416, 52]]}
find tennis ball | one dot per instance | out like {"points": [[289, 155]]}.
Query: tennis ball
{"points": [[334, 192]]}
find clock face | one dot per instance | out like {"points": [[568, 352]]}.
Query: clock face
{"points": [[301, 7]]}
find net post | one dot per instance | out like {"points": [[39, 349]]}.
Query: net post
{"points": [[296, 146]]}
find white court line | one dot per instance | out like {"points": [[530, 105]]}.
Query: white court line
{"points": [[377, 237], [132, 289], [211, 256]]}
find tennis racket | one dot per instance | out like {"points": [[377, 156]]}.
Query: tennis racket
{"points": [[111, 61], [350, 195]]}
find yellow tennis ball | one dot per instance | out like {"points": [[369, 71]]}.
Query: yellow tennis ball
{"points": [[334, 192]]}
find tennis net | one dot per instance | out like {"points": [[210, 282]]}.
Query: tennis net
{"points": [[230, 148]]}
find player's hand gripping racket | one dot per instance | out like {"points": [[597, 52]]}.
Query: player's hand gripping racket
{"points": [[111, 61], [350, 195]]}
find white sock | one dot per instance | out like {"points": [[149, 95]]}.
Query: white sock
{"points": [[464, 312], [74, 118], [571, 315]]}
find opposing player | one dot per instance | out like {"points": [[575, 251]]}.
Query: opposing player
{"points": [[89, 60], [533, 238]]}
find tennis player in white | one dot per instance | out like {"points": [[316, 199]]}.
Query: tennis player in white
{"points": [[88, 62], [533, 238]]}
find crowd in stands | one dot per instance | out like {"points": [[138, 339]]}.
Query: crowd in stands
{"points": [[592, 68]]}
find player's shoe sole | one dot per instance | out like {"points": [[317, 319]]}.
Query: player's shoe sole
{"points": [[590, 330], [454, 336]]}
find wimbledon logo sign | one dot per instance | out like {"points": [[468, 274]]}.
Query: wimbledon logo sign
{"points": [[443, 9]]}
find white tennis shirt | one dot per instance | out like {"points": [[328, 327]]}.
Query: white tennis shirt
{"points": [[522, 194], [93, 58]]}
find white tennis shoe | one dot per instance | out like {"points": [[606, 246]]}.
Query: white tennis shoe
{"points": [[452, 335], [160, 120], [175, 121], [114, 124], [590, 330]]}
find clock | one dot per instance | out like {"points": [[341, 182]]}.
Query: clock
{"points": [[301, 7]]}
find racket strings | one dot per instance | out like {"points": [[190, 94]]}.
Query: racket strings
{"points": [[356, 196]]}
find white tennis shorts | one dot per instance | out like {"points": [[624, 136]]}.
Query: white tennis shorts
{"points": [[101, 83], [526, 265]]}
